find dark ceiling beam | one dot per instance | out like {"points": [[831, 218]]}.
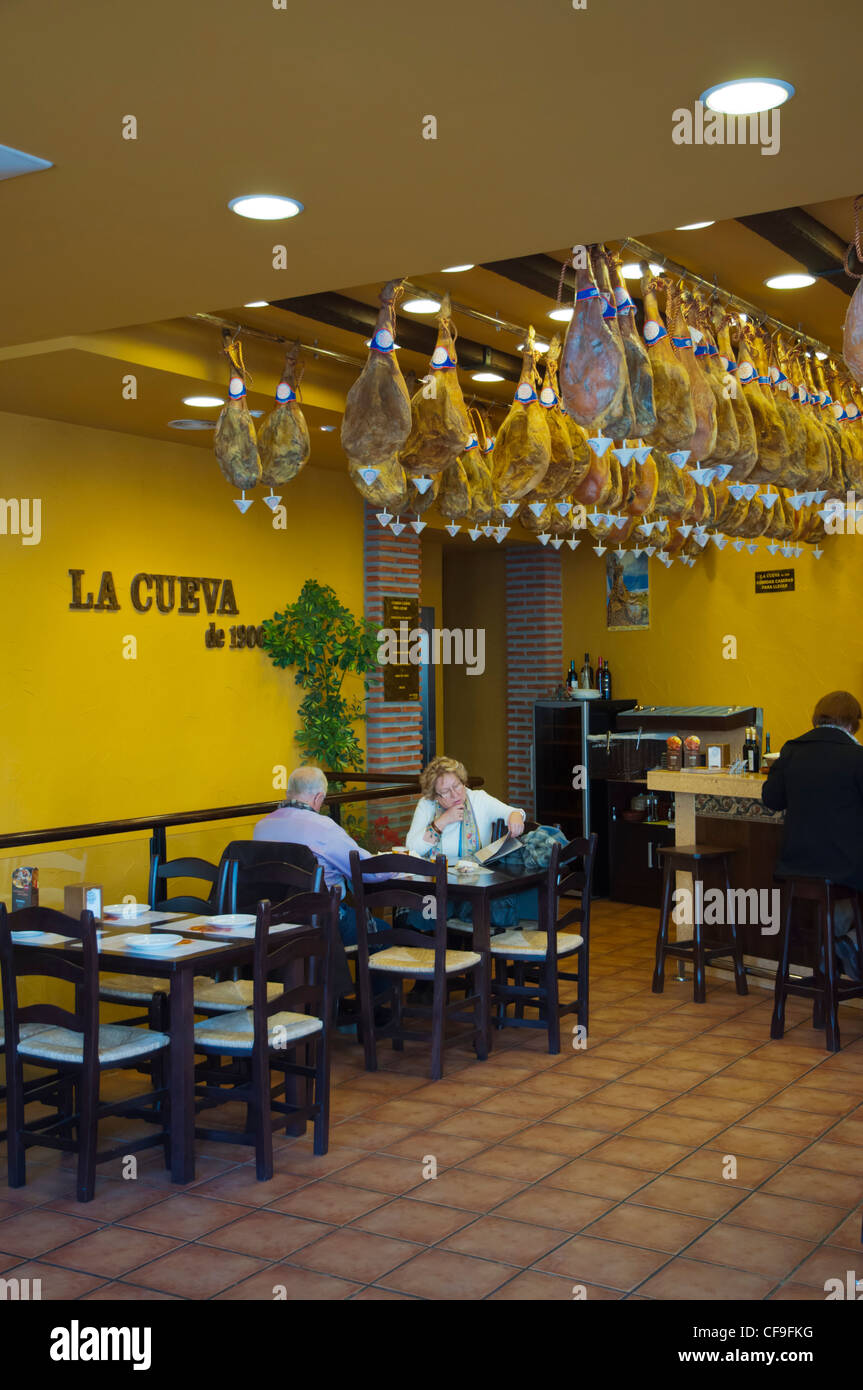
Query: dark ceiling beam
{"points": [[538, 273], [808, 241], [352, 316]]}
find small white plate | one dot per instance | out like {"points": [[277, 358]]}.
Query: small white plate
{"points": [[126, 909], [151, 941], [232, 919]]}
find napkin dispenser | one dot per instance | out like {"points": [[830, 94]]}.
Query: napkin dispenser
{"points": [[82, 897]]}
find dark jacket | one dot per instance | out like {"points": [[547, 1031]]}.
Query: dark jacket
{"points": [[817, 780]]}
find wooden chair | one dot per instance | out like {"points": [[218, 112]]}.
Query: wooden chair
{"points": [[74, 1044], [243, 881], [402, 953], [269, 1034], [527, 957], [824, 988], [162, 871], [47, 1090]]}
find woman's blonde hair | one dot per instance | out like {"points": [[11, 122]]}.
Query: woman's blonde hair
{"points": [[436, 768]]}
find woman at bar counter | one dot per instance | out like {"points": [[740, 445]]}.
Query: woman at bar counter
{"points": [[817, 780]]}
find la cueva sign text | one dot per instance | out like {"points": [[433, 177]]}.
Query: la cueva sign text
{"points": [[157, 593]]}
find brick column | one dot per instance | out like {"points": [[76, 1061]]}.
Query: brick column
{"points": [[392, 566], [534, 654]]}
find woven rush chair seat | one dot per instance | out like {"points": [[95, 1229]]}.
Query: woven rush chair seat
{"points": [[527, 943], [235, 1032], [211, 996], [116, 1044], [413, 960], [27, 1030]]}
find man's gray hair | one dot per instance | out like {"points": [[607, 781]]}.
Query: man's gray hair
{"points": [[306, 781]]}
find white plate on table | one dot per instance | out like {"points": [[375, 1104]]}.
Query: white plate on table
{"points": [[126, 909], [232, 919], [149, 941]]}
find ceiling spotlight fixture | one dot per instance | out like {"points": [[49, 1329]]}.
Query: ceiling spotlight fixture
{"points": [[794, 281], [454, 269], [694, 226], [327, 429], [265, 207], [562, 315], [747, 95], [256, 414], [203, 402], [486, 372], [257, 304], [632, 270], [192, 424], [421, 306], [822, 356], [538, 346]]}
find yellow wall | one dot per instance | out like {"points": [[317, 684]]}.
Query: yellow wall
{"points": [[474, 589], [90, 736], [791, 647]]}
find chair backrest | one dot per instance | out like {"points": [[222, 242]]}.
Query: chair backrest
{"points": [[570, 873], [375, 889], [245, 876], [161, 870], [22, 961], [303, 957]]}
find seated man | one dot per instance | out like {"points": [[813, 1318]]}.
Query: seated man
{"points": [[298, 821], [817, 780]]}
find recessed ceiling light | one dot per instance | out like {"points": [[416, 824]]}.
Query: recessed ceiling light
{"points": [[561, 315], [192, 424], [257, 304], [790, 282], [822, 356], [454, 269], [327, 429], [421, 306], [747, 95], [538, 346], [264, 207], [486, 376], [257, 413], [203, 402], [694, 226], [632, 270]]}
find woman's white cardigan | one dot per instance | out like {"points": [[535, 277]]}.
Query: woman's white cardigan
{"points": [[486, 809]]}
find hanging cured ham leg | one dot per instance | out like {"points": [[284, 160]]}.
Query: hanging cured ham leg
{"points": [[522, 447], [675, 413], [377, 418], [593, 376], [284, 440], [235, 442]]}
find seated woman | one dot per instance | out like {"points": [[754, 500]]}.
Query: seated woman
{"points": [[455, 820]]}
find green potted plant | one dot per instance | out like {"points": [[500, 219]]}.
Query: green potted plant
{"points": [[325, 642]]}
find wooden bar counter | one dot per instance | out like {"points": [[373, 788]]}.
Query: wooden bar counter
{"points": [[720, 808]]}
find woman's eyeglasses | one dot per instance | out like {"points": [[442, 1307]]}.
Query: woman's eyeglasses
{"points": [[447, 793]]}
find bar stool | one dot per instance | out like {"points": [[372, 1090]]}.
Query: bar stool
{"points": [[695, 859], [824, 988]]}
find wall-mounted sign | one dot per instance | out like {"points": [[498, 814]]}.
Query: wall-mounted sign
{"points": [[773, 581], [172, 593], [401, 682]]}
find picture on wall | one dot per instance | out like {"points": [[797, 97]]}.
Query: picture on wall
{"points": [[627, 591]]}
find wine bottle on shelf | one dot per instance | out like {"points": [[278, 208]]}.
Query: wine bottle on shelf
{"points": [[599, 675], [766, 744], [571, 677], [585, 679], [605, 682], [751, 751]]}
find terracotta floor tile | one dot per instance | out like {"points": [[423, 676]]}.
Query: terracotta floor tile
{"points": [[673, 1079], [456, 1094], [374, 1294], [590, 1114], [759, 1252], [554, 1207], [410, 1113], [113, 1251], [56, 1284], [555, 1084], [186, 1216], [744, 1140], [448, 1149], [409, 1219], [724, 1087], [512, 1242], [781, 1120], [710, 1165], [685, 1279], [598, 1070], [329, 1201], [477, 1192], [834, 1189], [566, 1140], [688, 1195], [354, 1254], [787, 1216], [797, 1293], [847, 1132], [533, 1287], [719, 1046], [241, 1185], [827, 1262], [382, 1173], [442, 1274], [649, 1154], [118, 1292], [842, 1082], [114, 1201], [476, 1124], [709, 1108], [648, 1227], [836, 1158], [294, 1285], [520, 1102], [194, 1272], [674, 1129], [689, 1059], [643, 1098], [29, 1233], [382, 1083], [270, 1235], [511, 1161], [346, 1103], [628, 1051], [848, 1234], [365, 1134], [597, 1179], [605, 1262], [494, 1073]]}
